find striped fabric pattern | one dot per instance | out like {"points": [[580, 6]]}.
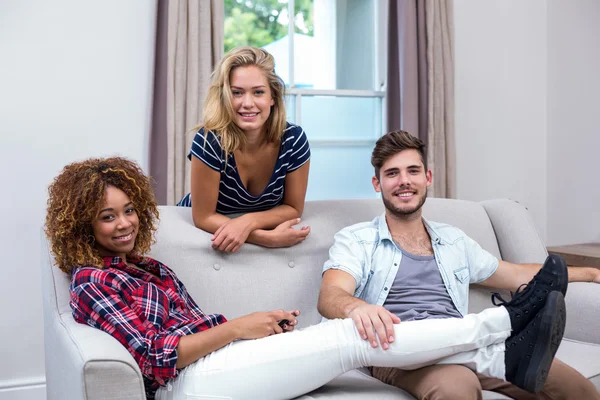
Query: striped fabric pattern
{"points": [[233, 196]]}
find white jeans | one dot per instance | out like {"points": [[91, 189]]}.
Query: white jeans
{"points": [[288, 365]]}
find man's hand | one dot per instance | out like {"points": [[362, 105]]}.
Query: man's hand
{"points": [[261, 324], [371, 320], [232, 235], [595, 275]]}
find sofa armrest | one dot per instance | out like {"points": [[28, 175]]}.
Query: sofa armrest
{"points": [[85, 363], [583, 307], [82, 363]]}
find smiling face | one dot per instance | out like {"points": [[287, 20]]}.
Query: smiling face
{"points": [[403, 183], [251, 98], [116, 226]]}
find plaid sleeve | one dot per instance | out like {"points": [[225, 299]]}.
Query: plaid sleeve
{"points": [[99, 305]]}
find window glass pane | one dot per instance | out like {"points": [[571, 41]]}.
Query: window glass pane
{"points": [[341, 118], [340, 53], [254, 22], [334, 40], [342, 132], [340, 172], [290, 108]]}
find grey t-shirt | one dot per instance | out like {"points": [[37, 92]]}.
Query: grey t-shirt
{"points": [[418, 291]]}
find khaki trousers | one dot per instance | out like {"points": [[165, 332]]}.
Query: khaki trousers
{"points": [[456, 382]]}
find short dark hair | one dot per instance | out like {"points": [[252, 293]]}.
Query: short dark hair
{"points": [[393, 143]]}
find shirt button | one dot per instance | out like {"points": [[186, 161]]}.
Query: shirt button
{"points": [[395, 264], [217, 267], [385, 288], [291, 264]]}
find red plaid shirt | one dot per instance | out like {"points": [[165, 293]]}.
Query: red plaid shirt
{"points": [[145, 313]]}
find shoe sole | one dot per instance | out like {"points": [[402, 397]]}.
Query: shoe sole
{"points": [[563, 276], [553, 318]]}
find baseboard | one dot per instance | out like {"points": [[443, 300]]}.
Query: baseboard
{"points": [[31, 389]]}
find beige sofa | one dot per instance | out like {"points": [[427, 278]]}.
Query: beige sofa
{"points": [[84, 363]]}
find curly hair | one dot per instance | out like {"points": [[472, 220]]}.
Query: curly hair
{"points": [[77, 195]]}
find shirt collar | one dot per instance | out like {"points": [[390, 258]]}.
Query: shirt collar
{"points": [[384, 232], [118, 262], [146, 263], [435, 237]]}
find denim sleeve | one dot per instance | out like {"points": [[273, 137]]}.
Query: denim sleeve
{"points": [[346, 255], [482, 264]]}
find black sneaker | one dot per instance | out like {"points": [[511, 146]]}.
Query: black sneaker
{"points": [[530, 298], [529, 354], [553, 275]]}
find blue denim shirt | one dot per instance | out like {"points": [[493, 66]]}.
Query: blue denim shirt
{"points": [[368, 253]]}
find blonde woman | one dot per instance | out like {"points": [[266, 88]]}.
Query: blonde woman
{"points": [[246, 159]]}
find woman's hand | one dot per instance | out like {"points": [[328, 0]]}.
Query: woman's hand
{"points": [[285, 235], [261, 324], [233, 234], [289, 325]]}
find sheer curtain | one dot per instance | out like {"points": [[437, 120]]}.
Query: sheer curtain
{"points": [[440, 77], [189, 43], [420, 97]]}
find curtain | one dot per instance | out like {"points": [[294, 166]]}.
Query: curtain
{"points": [[407, 68], [420, 92], [189, 44], [158, 134], [441, 155]]}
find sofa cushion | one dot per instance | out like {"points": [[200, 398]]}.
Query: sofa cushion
{"points": [[584, 357], [359, 385], [236, 284]]}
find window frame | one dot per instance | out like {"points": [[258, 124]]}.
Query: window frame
{"points": [[380, 35]]}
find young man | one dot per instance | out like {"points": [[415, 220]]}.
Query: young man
{"points": [[402, 267]]}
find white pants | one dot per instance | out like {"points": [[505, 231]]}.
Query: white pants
{"points": [[288, 365]]}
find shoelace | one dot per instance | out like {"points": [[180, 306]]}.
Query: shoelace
{"points": [[520, 290]]}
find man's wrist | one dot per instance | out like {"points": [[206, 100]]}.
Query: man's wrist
{"points": [[351, 307]]}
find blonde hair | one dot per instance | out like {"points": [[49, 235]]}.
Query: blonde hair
{"points": [[218, 112]]}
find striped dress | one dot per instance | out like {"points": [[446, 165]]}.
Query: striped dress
{"points": [[233, 196]]}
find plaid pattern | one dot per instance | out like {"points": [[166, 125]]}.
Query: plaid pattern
{"points": [[147, 311]]}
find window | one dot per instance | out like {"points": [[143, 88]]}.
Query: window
{"points": [[330, 56]]}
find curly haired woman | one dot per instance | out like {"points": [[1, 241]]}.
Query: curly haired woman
{"points": [[100, 222]]}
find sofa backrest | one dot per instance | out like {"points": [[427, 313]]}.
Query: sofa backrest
{"points": [[259, 279]]}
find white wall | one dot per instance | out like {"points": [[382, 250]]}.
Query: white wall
{"points": [[501, 102], [527, 85], [573, 163], [75, 82]]}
